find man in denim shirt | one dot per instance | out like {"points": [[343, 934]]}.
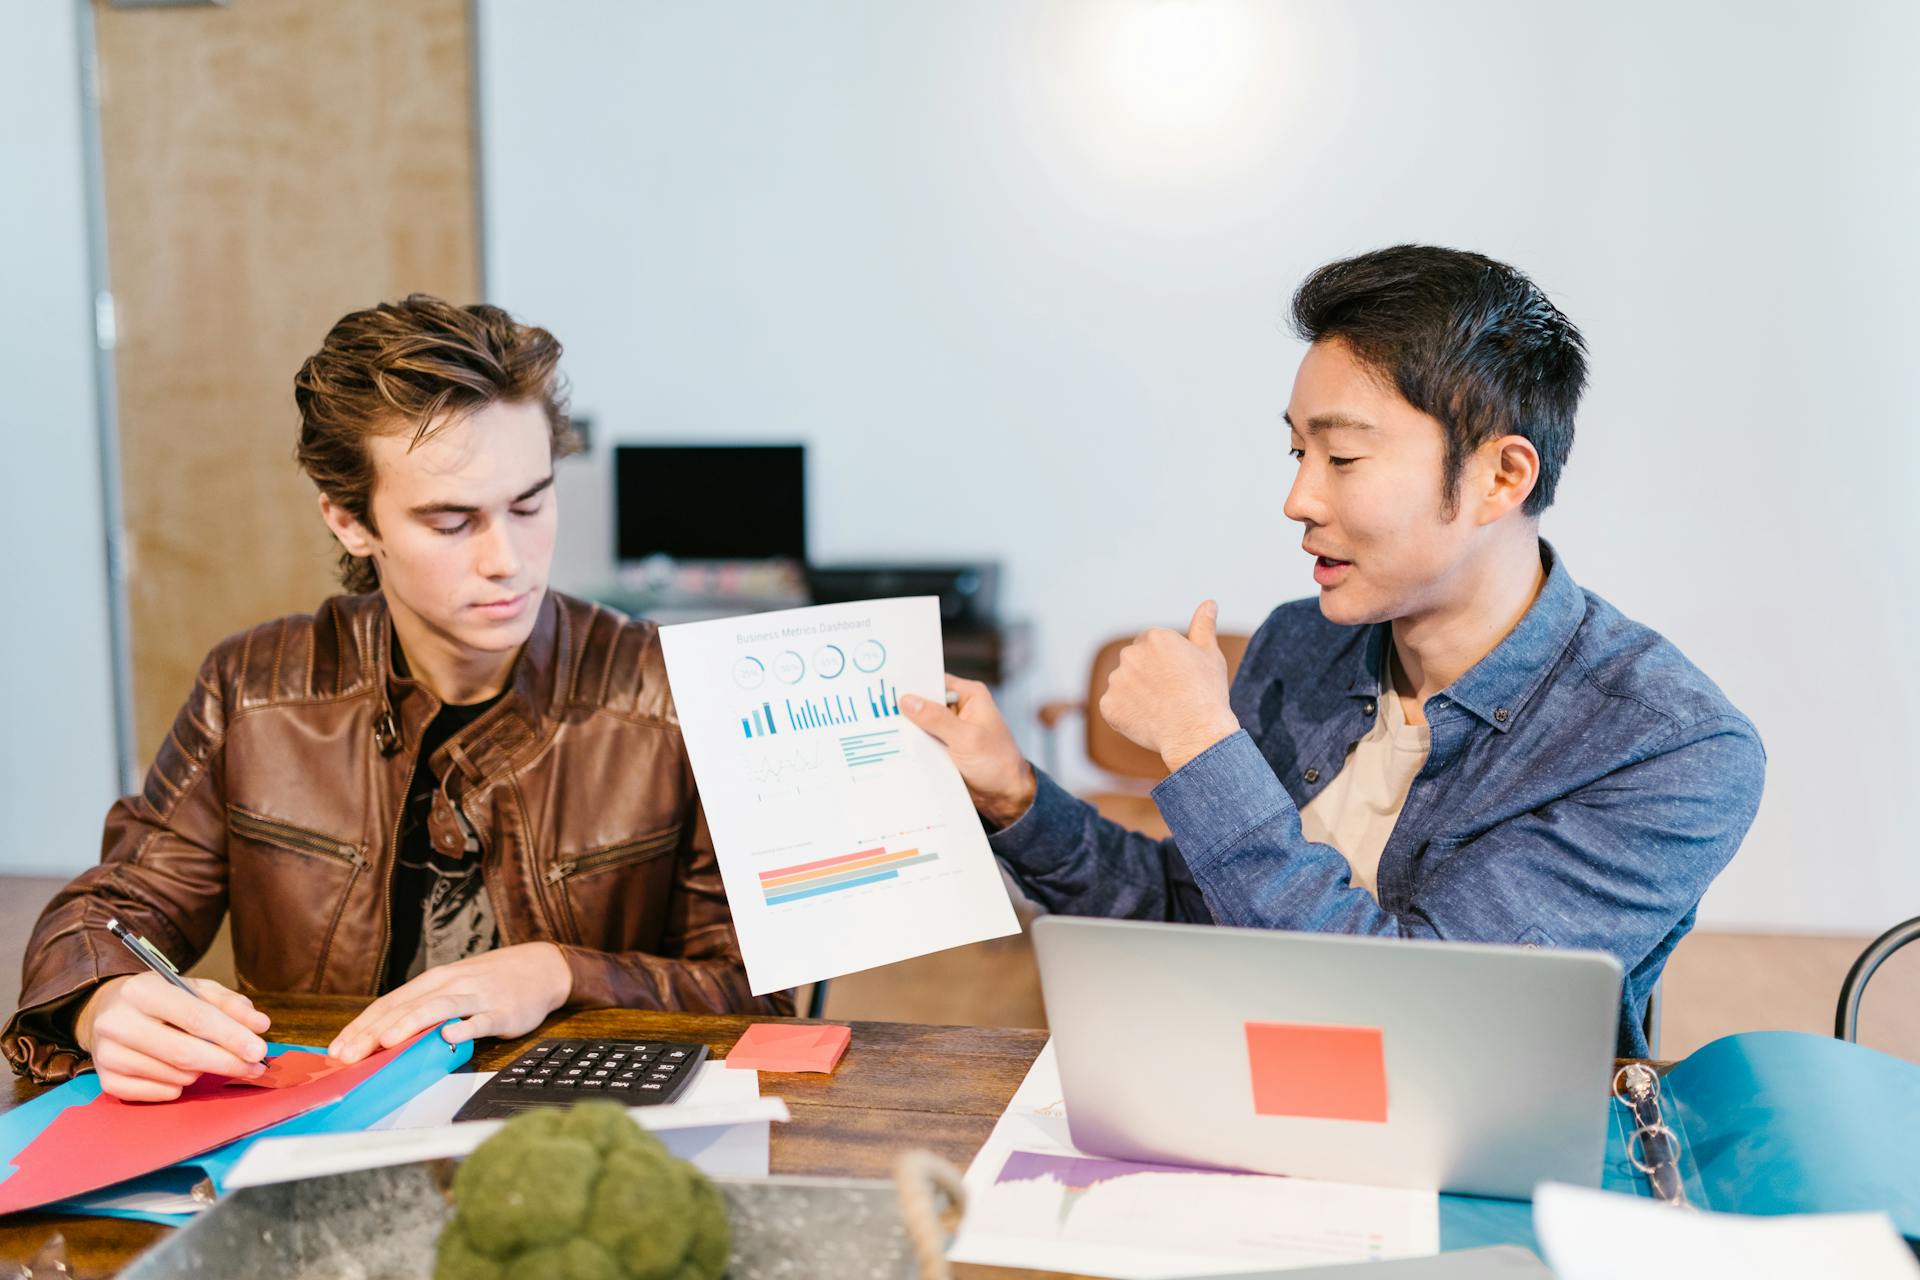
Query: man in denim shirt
{"points": [[1455, 741]]}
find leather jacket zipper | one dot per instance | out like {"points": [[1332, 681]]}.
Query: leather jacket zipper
{"points": [[633, 851], [296, 839]]}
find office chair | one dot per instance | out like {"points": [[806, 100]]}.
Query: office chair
{"points": [[1846, 1015], [1133, 768]]}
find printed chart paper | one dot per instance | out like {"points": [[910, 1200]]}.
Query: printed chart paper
{"points": [[1035, 1201], [846, 839]]}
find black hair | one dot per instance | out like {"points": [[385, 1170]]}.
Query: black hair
{"points": [[1464, 339]]}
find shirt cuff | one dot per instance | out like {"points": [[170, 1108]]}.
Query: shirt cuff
{"points": [[1218, 797], [1050, 826]]}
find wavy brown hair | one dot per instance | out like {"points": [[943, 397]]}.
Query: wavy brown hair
{"points": [[415, 367]]}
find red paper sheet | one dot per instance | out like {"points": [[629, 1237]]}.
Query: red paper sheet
{"points": [[1328, 1073], [777, 1046], [108, 1140]]}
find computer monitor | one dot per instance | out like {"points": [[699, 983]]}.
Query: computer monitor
{"points": [[710, 502]]}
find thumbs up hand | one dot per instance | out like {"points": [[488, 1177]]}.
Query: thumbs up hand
{"points": [[1169, 693]]}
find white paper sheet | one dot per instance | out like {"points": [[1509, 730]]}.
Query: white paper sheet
{"points": [[320, 1155], [845, 837], [737, 1150], [1034, 1201], [1597, 1235]]}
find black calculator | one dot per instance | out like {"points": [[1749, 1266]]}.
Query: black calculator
{"points": [[559, 1073]]}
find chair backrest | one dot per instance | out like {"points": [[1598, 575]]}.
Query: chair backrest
{"points": [[1106, 745]]}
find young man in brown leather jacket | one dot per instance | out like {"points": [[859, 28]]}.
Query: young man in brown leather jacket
{"points": [[455, 789]]}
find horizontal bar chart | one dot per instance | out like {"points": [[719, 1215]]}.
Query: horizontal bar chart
{"points": [[870, 748], [830, 875]]}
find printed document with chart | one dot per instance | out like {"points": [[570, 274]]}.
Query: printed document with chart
{"points": [[845, 836]]}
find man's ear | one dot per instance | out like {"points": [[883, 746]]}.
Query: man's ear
{"points": [[1512, 469], [346, 527]]}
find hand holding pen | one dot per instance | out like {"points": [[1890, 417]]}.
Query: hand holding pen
{"points": [[153, 1034]]}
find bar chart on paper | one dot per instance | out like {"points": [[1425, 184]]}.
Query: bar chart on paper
{"points": [[831, 875], [877, 701], [845, 837]]}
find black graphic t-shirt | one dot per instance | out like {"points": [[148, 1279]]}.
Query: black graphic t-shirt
{"points": [[440, 908]]}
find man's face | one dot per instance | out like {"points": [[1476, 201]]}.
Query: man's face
{"points": [[1369, 492], [466, 524]]}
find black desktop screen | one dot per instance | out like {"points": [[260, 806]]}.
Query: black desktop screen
{"points": [[710, 502]]}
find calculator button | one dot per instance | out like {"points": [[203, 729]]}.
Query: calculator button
{"points": [[668, 1067], [620, 1084], [655, 1087], [676, 1055], [592, 1084], [538, 1051], [543, 1072], [508, 1082], [602, 1074], [532, 1082]]}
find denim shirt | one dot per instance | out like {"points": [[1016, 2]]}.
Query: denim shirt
{"points": [[1585, 785]]}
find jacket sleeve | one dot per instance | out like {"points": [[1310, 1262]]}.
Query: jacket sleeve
{"points": [[162, 872], [698, 967]]}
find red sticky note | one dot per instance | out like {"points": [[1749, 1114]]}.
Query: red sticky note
{"points": [[1329, 1073], [296, 1066], [785, 1046]]}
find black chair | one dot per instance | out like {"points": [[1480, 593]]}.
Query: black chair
{"points": [[1846, 1017]]}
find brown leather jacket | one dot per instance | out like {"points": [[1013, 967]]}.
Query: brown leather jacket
{"points": [[278, 795]]}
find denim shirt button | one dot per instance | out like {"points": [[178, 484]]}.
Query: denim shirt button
{"points": [[1500, 714], [1368, 709], [1312, 776]]}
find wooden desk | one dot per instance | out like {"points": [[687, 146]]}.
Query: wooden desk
{"points": [[900, 1086]]}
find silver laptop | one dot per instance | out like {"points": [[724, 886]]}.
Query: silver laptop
{"points": [[1450, 1066]]}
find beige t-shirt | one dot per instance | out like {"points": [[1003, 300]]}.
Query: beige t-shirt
{"points": [[1358, 810]]}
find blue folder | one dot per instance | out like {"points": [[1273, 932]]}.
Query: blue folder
{"points": [[1769, 1122], [424, 1062]]}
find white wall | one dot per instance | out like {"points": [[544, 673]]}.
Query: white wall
{"points": [[57, 752], [1017, 273]]}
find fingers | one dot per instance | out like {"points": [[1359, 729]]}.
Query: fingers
{"points": [[124, 1061], [402, 1020], [228, 1047], [939, 723], [233, 1004], [1203, 630], [137, 1089], [480, 1024], [177, 1049], [360, 1035]]}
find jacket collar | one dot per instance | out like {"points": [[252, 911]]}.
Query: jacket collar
{"points": [[527, 710], [1498, 686]]}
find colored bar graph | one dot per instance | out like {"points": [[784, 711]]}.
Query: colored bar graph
{"points": [[830, 875]]}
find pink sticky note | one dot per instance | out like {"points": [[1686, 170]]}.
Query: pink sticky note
{"points": [[781, 1046], [1328, 1073]]}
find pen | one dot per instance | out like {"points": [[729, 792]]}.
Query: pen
{"points": [[953, 699], [150, 956]]}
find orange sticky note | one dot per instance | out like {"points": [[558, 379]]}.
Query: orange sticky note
{"points": [[1328, 1073], [782, 1046], [296, 1066]]}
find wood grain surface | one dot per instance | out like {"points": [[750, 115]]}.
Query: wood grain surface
{"points": [[900, 1086]]}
